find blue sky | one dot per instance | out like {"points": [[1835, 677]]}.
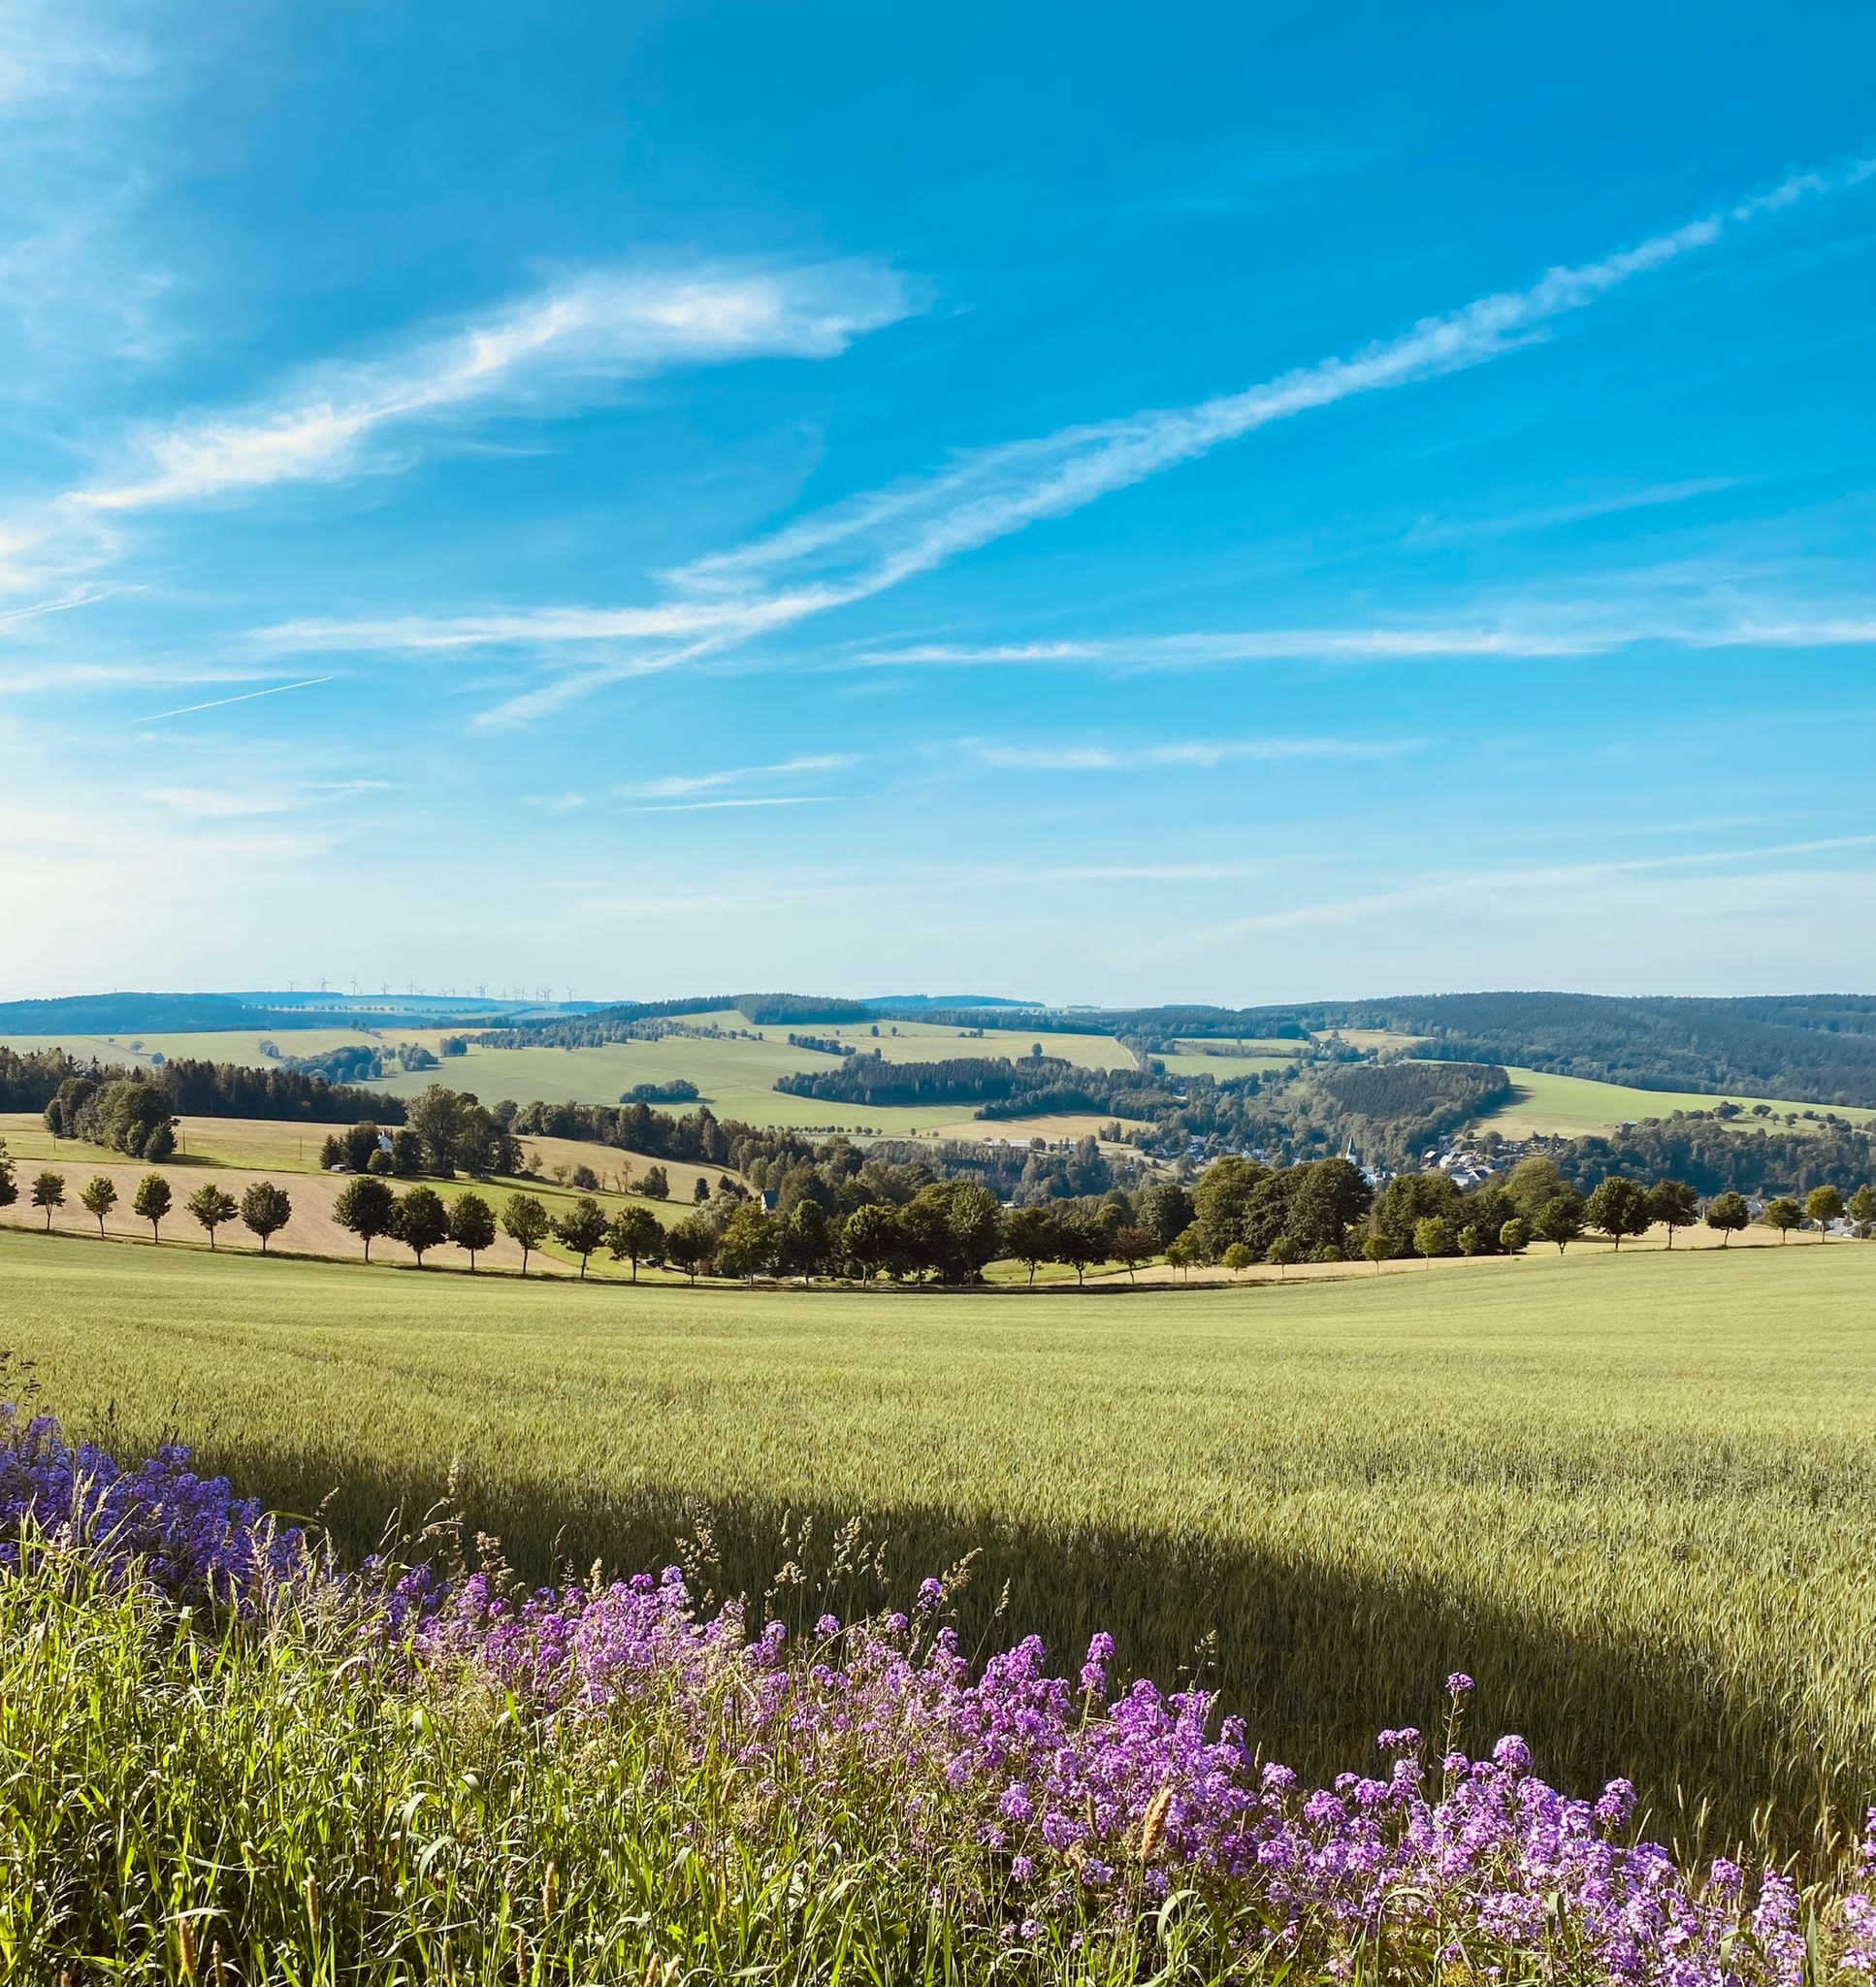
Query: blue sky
{"points": [[1091, 502]]}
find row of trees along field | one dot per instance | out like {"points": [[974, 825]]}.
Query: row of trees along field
{"points": [[264, 1208], [1240, 1212]]}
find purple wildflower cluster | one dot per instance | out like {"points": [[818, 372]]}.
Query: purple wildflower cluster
{"points": [[1064, 1793], [190, 1535]]}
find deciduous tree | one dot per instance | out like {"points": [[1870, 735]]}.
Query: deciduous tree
{"points": [[1674, 1204], [1784, 1215], [1824, 1205], [1166, 1212], [690, 1244], [873, 1238], [634, 1234], [805, 1240], [152, 1202], [367, 1207], [266, 1209], [1561, 1218], [1133, 1245], [1433, 1235], [214, 1208], [471, 1226], [1729, 1214], [526, 1224], [1534, 1184], [581, 1229], [421, 1222], [746, 1247], [1029, 1237], [100, 1197], [48, 1192], [1081, 1241], [1222, 1201], [1617, 1208], [1514, 1237], [1186, 1250], [1283, 1252]]}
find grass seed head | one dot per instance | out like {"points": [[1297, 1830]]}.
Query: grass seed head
{"points": [[1152, 1824]]}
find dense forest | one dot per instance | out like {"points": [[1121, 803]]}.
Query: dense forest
{"points": [[1819, 1048], [1713, 1158], [869, 1079], [1029, 1086], [1438, 1097], [197, 1088]]}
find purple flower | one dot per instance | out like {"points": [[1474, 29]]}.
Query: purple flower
{"points": [[1459, 1684], [1006, 1778]]}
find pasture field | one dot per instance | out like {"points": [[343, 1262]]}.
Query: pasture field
{"points": [[1223, 1062], [1577, 1107], [1634, 1496], [1371, 1038], [233, 1045]]}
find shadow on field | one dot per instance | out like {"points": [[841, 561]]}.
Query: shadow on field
{"points": [[1316, 1658]]}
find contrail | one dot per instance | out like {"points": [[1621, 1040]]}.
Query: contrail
{"points": [[246, 695]]}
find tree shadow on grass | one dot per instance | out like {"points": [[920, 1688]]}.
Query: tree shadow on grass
{"points": [[1316, 1658]]}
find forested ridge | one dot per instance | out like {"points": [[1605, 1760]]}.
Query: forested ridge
{"points": [[1818, 1048]]}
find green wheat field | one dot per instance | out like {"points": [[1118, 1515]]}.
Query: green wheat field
{"points": [[1634, 1496]]}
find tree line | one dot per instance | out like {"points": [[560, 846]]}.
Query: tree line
{"points": [[193, 1088], [898, 1223]]}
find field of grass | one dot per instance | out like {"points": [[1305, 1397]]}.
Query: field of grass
{"points": [[1634, 1496], [1575, 1107], [1222, 1063], [226, 1046]]}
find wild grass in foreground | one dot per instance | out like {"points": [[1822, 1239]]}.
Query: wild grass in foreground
{"points": [[233, 1764]]}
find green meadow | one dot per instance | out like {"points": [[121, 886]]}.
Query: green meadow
{"points": [[1634, 1495], [1576, 1106]]}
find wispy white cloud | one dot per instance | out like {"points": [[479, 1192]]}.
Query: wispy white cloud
{"points": [[751, 800], [561, 342], [1456, 887], [565, 344], [672, 786], [54, 53], [875, 542], [1444, 531], [36, 679], [242, 804], [1531, 631], [1189, 753]]}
